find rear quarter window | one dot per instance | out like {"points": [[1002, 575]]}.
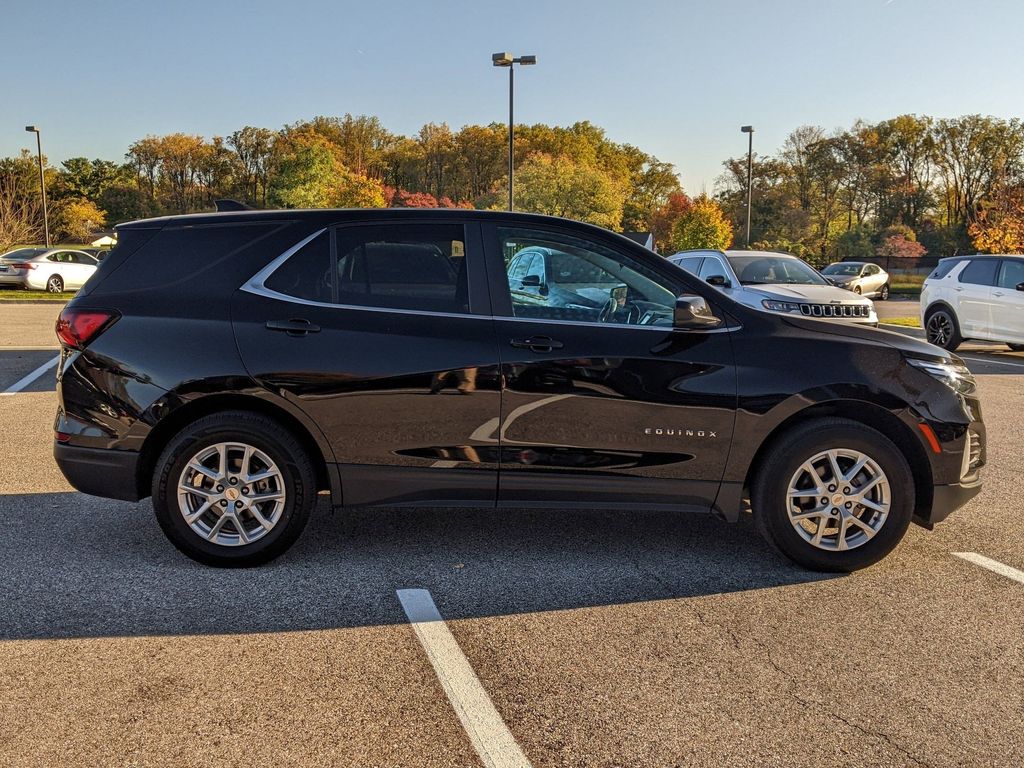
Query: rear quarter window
{"points": [[944, 268]]}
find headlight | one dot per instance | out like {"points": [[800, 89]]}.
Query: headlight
{"points": [[956, 376], [780, 306]]}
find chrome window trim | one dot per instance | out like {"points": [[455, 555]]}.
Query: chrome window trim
{"points": [[257, 285]]}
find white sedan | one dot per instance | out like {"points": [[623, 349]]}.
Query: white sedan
{"points": [[46, 269]]}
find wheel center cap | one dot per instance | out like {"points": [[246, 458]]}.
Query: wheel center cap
{"points": [[231, 494], [837, 499]]}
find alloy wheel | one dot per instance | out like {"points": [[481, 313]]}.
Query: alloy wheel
{"points": [[939, 329], [231, 494], [54, 285], [838, 499]]}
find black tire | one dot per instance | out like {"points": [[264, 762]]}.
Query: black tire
{"points": [[946, 330], [856, 289], [55, 284], [785, 456], [883, 293], [264, 434], [1015, 347]]}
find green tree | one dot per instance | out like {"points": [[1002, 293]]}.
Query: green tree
{"points": [[560, 187], [703, 225]]}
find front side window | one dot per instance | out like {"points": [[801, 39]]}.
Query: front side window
{"points": [[980, 272], [419, 267], [712, 267], [1011, 274], [587, 282]]}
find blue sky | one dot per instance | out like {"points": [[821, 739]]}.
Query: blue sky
{"points": [[674, 78]]}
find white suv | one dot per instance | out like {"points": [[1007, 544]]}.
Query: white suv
{"points": [[975, 297]]}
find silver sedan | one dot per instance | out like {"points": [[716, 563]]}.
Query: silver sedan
{"points": [[46, 269]]}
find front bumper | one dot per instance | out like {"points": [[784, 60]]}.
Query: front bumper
{"points": [[946, 499], [99, 471]]}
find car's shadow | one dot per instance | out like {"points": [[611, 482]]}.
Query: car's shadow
{"points": [[76, 566]]}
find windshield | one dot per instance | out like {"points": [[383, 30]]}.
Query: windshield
{"points": [[761, 269], [842, 269], [22, 254]]}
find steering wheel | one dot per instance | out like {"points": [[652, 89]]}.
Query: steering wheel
{"points": [[608, 311]]}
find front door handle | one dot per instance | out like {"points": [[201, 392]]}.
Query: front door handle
{"points": [[293, 327], [997, 293], [537, 344]]}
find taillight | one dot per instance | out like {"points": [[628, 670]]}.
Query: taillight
{"points": [[77, 327], [24, 265]]}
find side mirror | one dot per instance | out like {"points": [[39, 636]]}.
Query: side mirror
{"points": [[693, 313], [531, 281], [1020, 286], [718, 281]]}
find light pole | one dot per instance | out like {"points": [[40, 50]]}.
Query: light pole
{"points": [[506, 59], [42, 183], [749, 130]]}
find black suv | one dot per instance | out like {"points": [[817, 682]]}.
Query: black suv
{"points": [[234, 365]]}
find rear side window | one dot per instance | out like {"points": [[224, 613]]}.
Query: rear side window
{"points": [[399, 266], [980, 272], [944, 268], [1011, 273], [689, 263], [404, 266]]}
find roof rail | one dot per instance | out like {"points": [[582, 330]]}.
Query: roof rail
{"points": [[227, 206]]}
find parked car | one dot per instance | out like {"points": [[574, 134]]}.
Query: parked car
{"points": [[776, 282], [860, 277], [46, 269], [975, 297], [390, 358]]}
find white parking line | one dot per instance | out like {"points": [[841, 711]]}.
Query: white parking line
{"points": [[486, 730], [992, 362], [23, 382], [993, 565]]}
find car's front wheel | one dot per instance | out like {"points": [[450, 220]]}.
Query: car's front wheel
{"points": [[942, 329], [233, 489], [1015, 347], [833, 495]]}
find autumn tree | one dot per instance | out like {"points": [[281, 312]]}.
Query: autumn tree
{"points": [[76, 219], [703, 225]]}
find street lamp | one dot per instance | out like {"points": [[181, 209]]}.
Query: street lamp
{"points": [[506, 59], [42, 182], [749, 130]]}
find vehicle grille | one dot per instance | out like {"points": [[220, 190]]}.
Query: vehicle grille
{"points": [[974, 450], [835, 310]]}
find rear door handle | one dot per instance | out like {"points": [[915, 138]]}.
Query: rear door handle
{"points": [[293, 327], [537, 344], [997, 293]]}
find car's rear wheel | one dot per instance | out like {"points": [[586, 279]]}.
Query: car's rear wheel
{"points": [[833, 495], [233, 489], [883, 293], [942, 329], [55, 284], [856, 289]]}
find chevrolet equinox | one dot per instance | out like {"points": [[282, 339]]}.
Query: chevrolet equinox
{"points": [[235, 365]]}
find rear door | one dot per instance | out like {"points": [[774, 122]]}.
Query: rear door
{"points": [[381, 332], [972, 294], [1008, 302], [606, 406]]}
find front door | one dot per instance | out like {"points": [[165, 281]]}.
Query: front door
{"points": [[381, 334], [1008, 302], [604, 402]]}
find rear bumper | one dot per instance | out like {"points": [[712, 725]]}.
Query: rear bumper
{"points": [[99, 471]]}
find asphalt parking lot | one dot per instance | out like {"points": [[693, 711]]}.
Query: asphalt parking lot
{"points": [[602, 639]]}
